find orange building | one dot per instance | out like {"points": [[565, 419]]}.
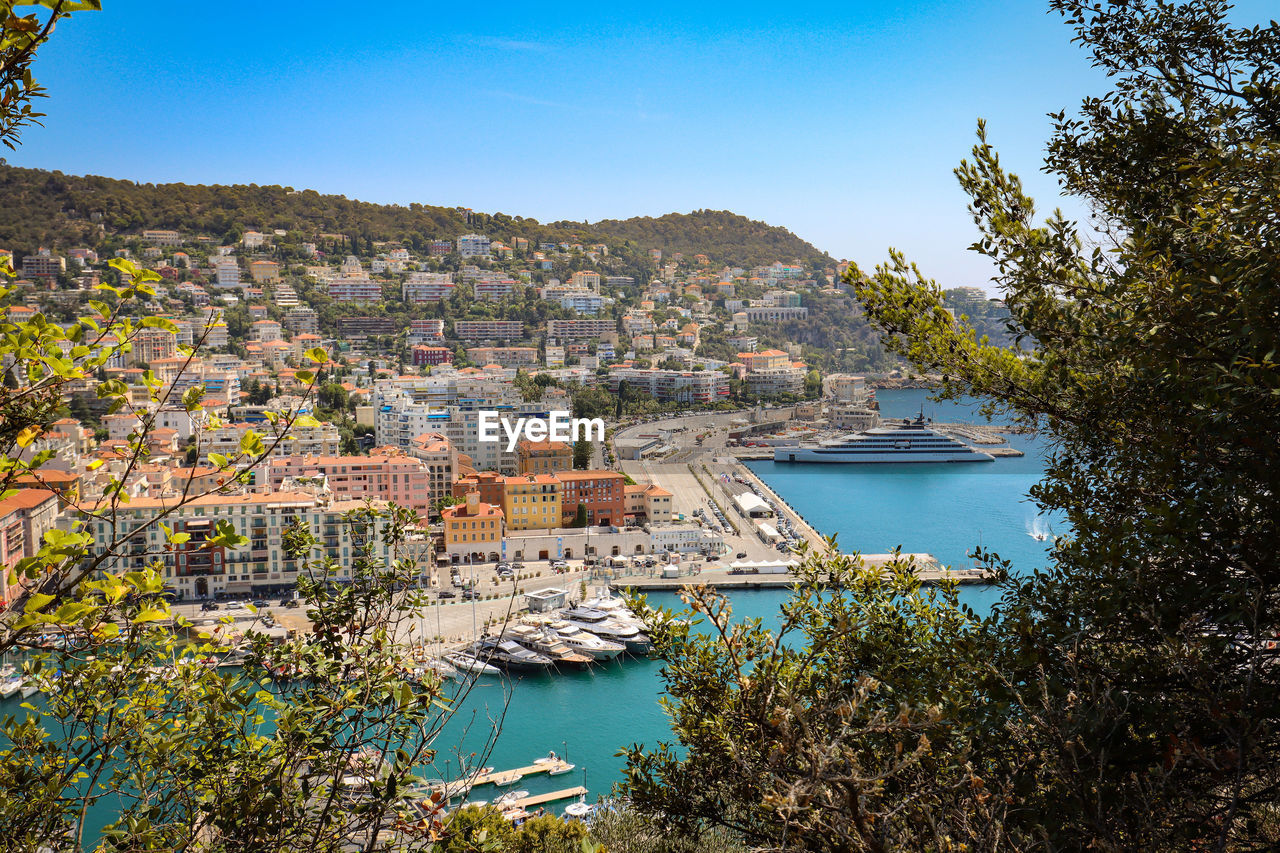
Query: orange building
{"points": [[543, 457], [472, 529], [487, 483]]}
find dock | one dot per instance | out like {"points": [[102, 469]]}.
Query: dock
{"points": [[551, 797], [927, 569], [502, 778]]}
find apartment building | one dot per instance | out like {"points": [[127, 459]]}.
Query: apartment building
{"points": [[263, 331], [770, 359], [772, 314], [261, 566], [153, 345], [355, 289], [488, 485], [400, 417], [579, 330], [543, 457], [25, 517], [474, 246], [423, 354], [426, 331], [43, 264], [580, 301], [505, 356], [585, 280], [424, 287], [493, 288], [437, 453], [600, 492], [264, 271], [703, 386], [488, 330], [385, 474], [226, 272], [302, 319], [159, 237], [320, 440], [531, 502], [776, 380], [363, 327]]}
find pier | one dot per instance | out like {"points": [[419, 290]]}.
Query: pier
{"points": [[502, 778], [550, 797], [928, 570]]}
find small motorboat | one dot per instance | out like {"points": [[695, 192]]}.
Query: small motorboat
{"points": [[578, 810], [510, 798]]}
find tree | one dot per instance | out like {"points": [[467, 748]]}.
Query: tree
{"points": [[332, 396], [580, 516], [582, 454], [1126, 696]]}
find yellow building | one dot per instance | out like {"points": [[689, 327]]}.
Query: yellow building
{"points": [[531, 502], [472, 528]]}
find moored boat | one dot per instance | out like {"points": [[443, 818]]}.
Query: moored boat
{"points": [[510, 655], [585, 642], [599, 623], [545, 643], [470, 664]]}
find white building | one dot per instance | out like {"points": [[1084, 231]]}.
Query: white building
{"points": [[226, 271], [474, 246]]}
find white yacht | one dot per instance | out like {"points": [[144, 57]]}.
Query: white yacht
{"points": [[599, 623], [908, 441], [470, 664], [585, 642]]}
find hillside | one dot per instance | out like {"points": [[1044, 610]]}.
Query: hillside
{"points": [[39, 208], [719, 234]]}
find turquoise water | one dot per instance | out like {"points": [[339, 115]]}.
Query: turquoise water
{"points": [[942, 509]]}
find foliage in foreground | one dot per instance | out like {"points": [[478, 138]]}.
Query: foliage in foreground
{"points": [[1128, 695]]}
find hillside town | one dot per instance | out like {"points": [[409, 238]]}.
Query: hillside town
{"points": [[393, 412]]}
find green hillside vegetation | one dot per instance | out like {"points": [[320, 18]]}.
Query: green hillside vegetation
{"points": [[61, 211], [724, 237]]}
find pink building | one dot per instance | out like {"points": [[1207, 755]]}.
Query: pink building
{"points": [[386, 474]]}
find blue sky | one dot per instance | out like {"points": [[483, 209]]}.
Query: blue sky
{"points": [[841, 122]]}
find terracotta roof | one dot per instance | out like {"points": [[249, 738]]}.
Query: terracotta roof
{"points": [[26, 499]]}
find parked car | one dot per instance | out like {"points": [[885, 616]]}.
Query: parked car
{"points": [[742, 555], [260, 602], [469, 594], [209, 605], [448, 593]]}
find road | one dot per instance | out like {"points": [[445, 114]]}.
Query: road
{"points": [[689, 493]]}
